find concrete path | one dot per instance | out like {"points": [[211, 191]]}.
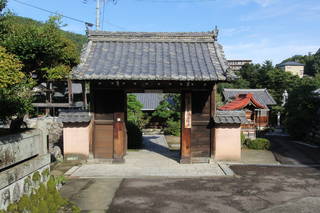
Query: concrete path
{"points": [[91, 195], [155, 160]]}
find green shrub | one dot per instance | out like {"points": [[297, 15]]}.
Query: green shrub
{"points": [[243, 140], [173, 128], [45, 199], [36, 177], [259, 143], [134, 136]]}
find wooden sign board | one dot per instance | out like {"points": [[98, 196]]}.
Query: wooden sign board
{"points": [[188, 112]]}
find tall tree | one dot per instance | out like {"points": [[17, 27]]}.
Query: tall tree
{"points": [[43, 49], [3, 4]]}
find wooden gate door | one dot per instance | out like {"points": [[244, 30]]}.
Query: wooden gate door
{"points": [[201, 130], [107, 104]]}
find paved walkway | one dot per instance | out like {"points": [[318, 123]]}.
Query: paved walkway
{"points": [[155, 160], [91, 195]]}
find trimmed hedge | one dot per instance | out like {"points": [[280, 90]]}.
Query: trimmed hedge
{"points": [[259, 143], [173, 128], [134, 136]]}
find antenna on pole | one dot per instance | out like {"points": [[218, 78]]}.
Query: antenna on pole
{"points": [[98, 15]]}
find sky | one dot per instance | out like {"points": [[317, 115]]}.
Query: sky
{"points": [[259, 30]]}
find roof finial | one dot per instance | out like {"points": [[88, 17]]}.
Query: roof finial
{"points": [[215, 33]]}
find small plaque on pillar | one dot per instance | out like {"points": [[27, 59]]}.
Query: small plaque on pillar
{"points": [[188, 112]]}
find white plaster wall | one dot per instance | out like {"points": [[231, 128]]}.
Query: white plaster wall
{"points": [[228, 142]]}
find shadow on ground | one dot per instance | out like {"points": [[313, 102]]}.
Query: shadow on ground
{"points": [[288, 152], [158, 144]]}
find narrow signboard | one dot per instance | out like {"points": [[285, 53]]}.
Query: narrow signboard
{"points": [[188, 111]]}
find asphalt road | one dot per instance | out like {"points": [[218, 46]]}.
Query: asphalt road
{"points": [[253, 189]]}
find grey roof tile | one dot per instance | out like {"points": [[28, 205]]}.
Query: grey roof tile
{"points": [[290, 63], [74, 116], [230, 117], [150, 101], [261, 95], [152, 56]]}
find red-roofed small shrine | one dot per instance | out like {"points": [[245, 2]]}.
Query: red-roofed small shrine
{"points": [[241, 101]]}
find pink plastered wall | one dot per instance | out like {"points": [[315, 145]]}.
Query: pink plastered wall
{"points": [[77, 139], [228, 142]]}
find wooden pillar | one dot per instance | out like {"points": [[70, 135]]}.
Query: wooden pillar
{"points": [[186, 122], [213, 109], [84, 95], [70, 94], [118, 137], [48, 96]]}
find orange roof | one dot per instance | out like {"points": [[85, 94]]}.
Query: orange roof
{"points": [[241, 101]]}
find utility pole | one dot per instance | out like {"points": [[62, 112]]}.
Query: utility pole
{"points": [[98, 15]]}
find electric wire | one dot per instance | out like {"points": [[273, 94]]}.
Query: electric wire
{"points": [[59, 14]]}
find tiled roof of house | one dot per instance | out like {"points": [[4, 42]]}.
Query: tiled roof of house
{"points": [[290, 63], [230, 117], [241, 101], [261, 95], [74, 116], [150, 101], [152, 56]]}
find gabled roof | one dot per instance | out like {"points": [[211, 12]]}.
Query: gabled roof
{"points": [[230, 117], [150, 101], [152, 56], [241, 101], [261, 95], [290, 63]]}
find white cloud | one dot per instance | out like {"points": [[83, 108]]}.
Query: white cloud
{"points": [[263, 3], [265, 50], [227, 32]]}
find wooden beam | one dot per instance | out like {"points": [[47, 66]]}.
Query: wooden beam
{"points": [[186, 121]]}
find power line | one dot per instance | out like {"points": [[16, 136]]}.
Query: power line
{"points": [[59, 14]]}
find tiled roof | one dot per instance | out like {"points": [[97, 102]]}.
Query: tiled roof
{"points": [[150, 101], [74, 116], [241, 101], [230, 117], [152, 56], [290, 63], [261, 95]]}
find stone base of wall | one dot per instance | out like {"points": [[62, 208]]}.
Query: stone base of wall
{"points": [[17, 181]]}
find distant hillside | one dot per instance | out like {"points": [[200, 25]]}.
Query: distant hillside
{"points": [[77, 38]]}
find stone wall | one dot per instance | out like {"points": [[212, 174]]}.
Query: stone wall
{"points": [[53, 129], [22, 156]]}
